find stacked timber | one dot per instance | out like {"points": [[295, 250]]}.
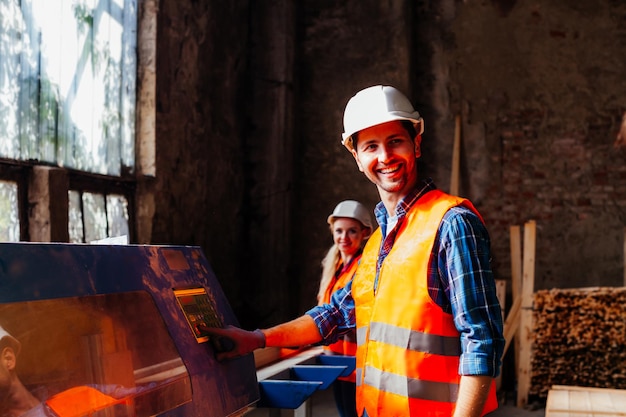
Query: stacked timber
{"points": [[579, 338]]}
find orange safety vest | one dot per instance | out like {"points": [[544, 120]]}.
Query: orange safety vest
{"points": [[347, 344], [408, 347]]}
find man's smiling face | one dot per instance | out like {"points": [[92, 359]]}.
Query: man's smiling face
{"points": [[387, 155]]}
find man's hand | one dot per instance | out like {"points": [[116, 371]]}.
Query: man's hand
{"points": [[232, 342]]}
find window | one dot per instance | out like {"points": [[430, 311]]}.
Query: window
{"points": [[67, 83], [95, 216], [67, 99], [9, 220]]}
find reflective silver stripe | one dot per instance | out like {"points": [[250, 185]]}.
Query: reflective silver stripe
{"points": [[414, 340], [359, 372], [411, 388], [361, 333]]}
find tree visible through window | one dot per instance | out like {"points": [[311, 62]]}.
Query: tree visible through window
{"points": [[67, 87], [67, 82], [96, 216]]}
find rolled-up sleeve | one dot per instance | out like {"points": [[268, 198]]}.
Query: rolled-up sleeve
{"points": [[465, 269], [335, 318]]}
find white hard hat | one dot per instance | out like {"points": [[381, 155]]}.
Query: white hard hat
{"points": [[374, 106], [354, 210], [15, 344]]}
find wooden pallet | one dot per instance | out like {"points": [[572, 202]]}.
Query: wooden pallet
{"points": [[572, 401]]}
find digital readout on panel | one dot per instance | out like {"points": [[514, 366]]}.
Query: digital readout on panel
{"points": [[198, 309]]}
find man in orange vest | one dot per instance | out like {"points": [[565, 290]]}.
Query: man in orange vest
{"points": [[423, 299], [16, 400]]}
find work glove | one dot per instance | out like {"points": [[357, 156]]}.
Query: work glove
{"points": [[232, 342]]}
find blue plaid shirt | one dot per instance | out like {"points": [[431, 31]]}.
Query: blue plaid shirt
{"points": [[460, 281]]}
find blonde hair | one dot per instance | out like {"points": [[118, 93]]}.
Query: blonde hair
{"points": [[332, 260], [330, 263]]}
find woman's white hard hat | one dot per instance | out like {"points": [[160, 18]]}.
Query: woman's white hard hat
{"points": [[354, 210], [374, 106]]}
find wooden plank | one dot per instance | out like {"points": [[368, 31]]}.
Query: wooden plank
{"points": [[511, 324], [586, 389], [515, 237], [456, 157], [576, 413], [624, 255], [501, 295], [572, 401], [579, 402], [605, 402], [526, 315], [557, 400]]}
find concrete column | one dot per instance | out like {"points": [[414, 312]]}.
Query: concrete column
{"points": [[146, 119], [48, 205]]}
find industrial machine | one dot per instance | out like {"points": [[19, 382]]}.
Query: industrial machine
{"points": [[112, 330]]}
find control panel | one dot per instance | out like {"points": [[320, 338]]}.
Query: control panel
{"points": [[198, 310]]}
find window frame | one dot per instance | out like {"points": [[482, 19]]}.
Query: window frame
{"points": [[21, 173], [101, 184], [136, 186], [18, 172]]}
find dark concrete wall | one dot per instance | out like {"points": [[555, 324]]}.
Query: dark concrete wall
{"points": [[249, 119], [270, 139], [225, 145], [542, 88], [345, 46], [202, 58]]}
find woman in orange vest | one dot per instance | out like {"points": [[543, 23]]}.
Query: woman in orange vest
{"points": [[350, 225]]}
